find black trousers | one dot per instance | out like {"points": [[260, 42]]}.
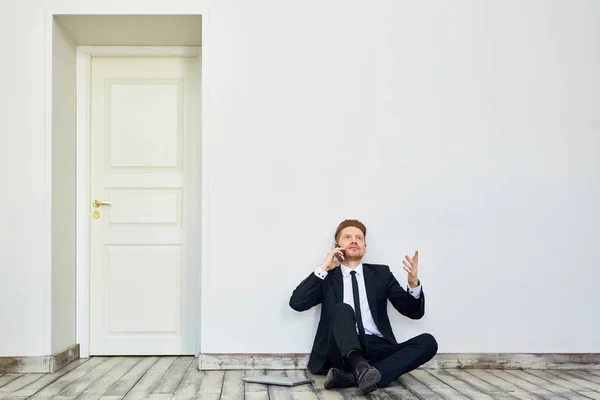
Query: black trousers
{"points": [[392, 360]]}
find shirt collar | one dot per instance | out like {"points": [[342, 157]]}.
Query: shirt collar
{"points": [[346, 270]]}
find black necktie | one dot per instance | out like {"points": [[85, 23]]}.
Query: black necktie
{"points": [[361, 329]]}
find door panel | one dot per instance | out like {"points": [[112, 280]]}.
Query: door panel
{"points": [[144, 150]]}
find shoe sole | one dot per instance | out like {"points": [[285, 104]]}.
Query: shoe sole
{"points": [[329, 380], [369, 381], [369, 389]]}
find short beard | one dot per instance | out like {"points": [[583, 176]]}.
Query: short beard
{"points": [[350, 257]]}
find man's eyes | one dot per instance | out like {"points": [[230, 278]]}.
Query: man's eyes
{"points": [[357, 238]]}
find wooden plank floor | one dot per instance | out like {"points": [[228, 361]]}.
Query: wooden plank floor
{"points": [[178, 378]]}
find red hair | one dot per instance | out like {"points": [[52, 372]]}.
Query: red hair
{"points": [[347, 223]]}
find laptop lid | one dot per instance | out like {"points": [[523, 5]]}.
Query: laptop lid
{"points": [[277, 380]]}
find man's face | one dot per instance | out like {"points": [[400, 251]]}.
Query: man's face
{"points": [[353, 240]]}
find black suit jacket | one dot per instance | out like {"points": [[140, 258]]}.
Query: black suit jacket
{"points": [[381, 286]]}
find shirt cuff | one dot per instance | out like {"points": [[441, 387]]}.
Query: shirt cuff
{"points": [[320, 273], [415, 292]]}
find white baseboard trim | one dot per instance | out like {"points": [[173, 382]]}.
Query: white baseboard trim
{"points": [[442, 360], [515, 361], [39, 364], [252, 361]]}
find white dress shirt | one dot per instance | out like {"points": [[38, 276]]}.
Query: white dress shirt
{"points": [[367, 317]]}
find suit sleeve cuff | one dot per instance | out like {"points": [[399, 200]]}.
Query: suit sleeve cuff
{"points": [[415, 292], [320, 273]]}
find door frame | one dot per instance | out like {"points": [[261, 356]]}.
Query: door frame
{"points": [[83, 179]]}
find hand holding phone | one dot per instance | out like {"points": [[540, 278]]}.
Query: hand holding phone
{"points": [[334, 258], [337, 255]]}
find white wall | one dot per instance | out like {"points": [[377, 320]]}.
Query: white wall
{"points": [[23, 256], [467, 129], [64, 102]]}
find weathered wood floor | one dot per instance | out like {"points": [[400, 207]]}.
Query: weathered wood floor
{"points": [[179, 378]]}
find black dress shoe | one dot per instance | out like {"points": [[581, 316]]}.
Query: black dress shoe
{"points": [[336, 378], [366, 377]]}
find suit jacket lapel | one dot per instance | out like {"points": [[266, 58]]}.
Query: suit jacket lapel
{"points": [[338, 285], [371, 287]]}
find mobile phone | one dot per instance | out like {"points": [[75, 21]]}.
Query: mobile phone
{"points": [[337, 257]]}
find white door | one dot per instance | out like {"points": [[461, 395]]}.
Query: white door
{"points": [[144, 150]]}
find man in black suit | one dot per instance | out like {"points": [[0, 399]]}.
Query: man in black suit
{"points": [[355, 343]]}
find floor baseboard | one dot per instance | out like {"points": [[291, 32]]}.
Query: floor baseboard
{"points": [[39, 364], [442, 360]]}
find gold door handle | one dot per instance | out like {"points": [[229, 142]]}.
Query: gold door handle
{"points": [[98, 203]]}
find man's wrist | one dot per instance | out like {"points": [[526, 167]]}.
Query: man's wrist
{"points": [[320, 273], [414, 284]]}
